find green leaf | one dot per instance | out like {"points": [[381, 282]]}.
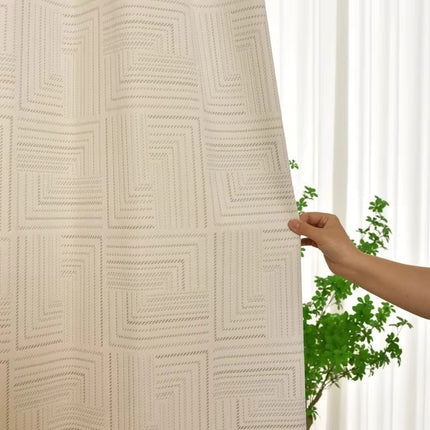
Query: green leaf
{"points": [[293, 164]]}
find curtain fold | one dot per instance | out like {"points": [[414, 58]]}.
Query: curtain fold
{"points": [[388, 154]]}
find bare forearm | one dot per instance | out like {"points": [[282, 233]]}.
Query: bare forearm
{"points": [[403, 285]]}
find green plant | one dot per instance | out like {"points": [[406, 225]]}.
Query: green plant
{"points": [[342, 344]]}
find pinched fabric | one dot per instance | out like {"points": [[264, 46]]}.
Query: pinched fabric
{"points": [[148, 280]]}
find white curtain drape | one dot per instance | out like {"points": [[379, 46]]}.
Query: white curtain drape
{"points": [[354, 80]]}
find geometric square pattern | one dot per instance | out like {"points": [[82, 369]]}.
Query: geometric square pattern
{"points": [[7, 54], [6, 290], [174, 390], [148, 280], [58, 388], [158, 288], [155, 175], [58, 172], [269, 393], [6, 127]]}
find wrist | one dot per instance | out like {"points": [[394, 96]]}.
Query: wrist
{"points": [[352, 265], [348, 266]]}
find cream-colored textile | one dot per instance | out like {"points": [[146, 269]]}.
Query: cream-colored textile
{"points": [[148, 277]]}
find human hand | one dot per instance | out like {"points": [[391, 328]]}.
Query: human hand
{"points": [[325, 232]]}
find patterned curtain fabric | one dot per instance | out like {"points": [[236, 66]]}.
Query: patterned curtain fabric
{"points": [[148, 279]]}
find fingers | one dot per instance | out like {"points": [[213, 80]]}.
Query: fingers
{"points": [[308, 242], [303, 228], [312, 225], [316, 219]]}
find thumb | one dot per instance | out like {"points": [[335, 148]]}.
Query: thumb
{"points": [[302, 228]]}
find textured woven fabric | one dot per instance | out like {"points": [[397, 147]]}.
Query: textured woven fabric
{"points": [[148, 277]]}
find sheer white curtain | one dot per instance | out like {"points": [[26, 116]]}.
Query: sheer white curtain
{"points": [[354, 81]]}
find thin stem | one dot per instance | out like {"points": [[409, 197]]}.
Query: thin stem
{"points": [[314, 401]]}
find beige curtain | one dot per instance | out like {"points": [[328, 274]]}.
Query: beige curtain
{"points": [[148, 277]]}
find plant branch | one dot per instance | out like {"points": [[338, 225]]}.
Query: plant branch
{"points": [[341, 345]]}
